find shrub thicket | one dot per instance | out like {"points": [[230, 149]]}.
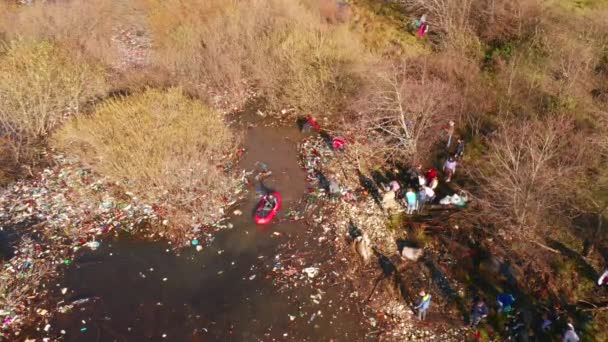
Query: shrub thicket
{"points": [[163, 145], [39, 85], [280, 48]]}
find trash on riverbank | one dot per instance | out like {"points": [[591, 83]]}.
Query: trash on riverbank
{"points": [[311, 272], [50, 218]]}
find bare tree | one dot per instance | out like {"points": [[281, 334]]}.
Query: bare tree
{"points": [[401, 113], [592, 190], [520, 178]]}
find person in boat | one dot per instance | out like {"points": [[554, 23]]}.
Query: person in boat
{"points": [[271, 202]]}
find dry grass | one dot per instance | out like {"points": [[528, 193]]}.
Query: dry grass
{"points": [[281, 48], [84, 27], [163, 145], [39, 85]]}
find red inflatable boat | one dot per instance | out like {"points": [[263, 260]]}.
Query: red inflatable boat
{"points": [[266, 211]]}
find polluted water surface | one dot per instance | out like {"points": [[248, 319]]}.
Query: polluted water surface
{"points": [[131, 290]]}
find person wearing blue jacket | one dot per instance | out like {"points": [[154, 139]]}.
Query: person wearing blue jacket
{"points": [[505, 302], [479, 312], [423, 305], [411, 200]]}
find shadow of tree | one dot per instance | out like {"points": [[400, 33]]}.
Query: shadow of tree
{"points": [[323, 181], [327, 139], [583, 266], [443, 283], [371, 187]]}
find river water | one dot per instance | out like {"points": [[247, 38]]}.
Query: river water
{"points": [[142, 291]]}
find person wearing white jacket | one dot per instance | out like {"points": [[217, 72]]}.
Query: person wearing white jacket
{"points": [[570, 335], [603, 279]]}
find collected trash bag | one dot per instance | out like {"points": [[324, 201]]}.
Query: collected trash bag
{"points": [[338, 144], [411, 253], [457, 200], [311, 272], [447, 200]]}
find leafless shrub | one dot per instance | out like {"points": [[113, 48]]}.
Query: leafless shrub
{"points": [[334, 11], [459, 20], [280, 48], [84, 27], [403, 113], [39, 85], [521, 178], [504, 20]]}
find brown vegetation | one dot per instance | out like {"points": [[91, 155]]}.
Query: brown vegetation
{"points": [[525, 80], [83, 27], [402, 109], [279, 48], [525, 174], [40, 84], [164, 146]]}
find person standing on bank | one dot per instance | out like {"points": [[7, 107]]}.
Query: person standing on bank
{"points": [[423, 305]]}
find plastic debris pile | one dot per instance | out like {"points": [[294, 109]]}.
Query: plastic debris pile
{"points": [[395, 317], [53, 215], [314, 152]]}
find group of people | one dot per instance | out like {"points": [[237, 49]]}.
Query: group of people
{"points": [[419, 191], [479, 311], [421, 186]]}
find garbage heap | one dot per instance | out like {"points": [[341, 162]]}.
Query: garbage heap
{"points": [[44, 221], [354, 204]]}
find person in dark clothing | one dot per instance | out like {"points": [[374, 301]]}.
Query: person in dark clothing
{"points": [[459, 149], [479, 312], [412, 176], [271, 201]]}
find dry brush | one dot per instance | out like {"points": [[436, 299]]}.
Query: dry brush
{"points": [[164, 146]]}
